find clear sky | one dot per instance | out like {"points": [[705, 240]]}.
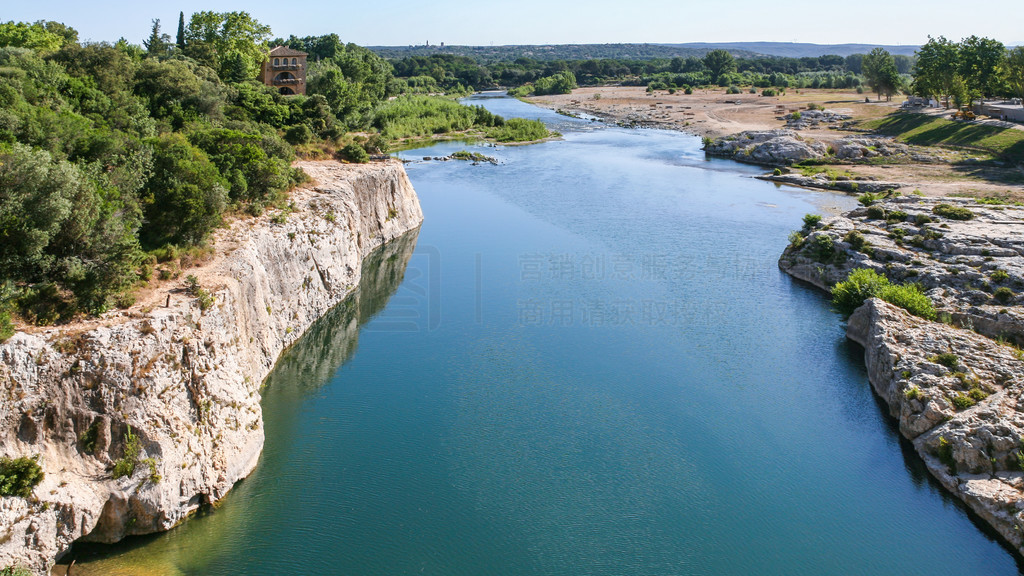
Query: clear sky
{"points": [[485, 22]]}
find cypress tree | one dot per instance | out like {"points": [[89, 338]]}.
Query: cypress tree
{"points": [[180, 40]]}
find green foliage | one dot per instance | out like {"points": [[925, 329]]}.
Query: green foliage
{"points": [[227, 41], [822, 248], [913, 393], [125, 465], [867, 199], [32, 36], [355, 153], [876, 213], [880, 71], [732, 90], [953, 212], [89, 436], [353, 81], [1003, 295], [418, 116], [811, 221], [945, 454], [18, 476], [562, 83], [947, 359], [999, 276], [719, 63], [962, 401], [519, 130], [864, 283], [185, 196], [15, 571], [855, 239]]}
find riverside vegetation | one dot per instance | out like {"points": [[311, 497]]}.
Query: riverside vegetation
{"points": [[119, 160]]}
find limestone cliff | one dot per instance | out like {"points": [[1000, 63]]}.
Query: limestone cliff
{"points": [[185, 381], [956, 386]]}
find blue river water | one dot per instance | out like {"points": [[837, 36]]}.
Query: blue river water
{"points": [[586, 362]]}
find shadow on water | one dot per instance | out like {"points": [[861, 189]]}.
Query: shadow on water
{"points": [[301, 371]]}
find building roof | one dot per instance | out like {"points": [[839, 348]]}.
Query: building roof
{"points": [[285, 51]]}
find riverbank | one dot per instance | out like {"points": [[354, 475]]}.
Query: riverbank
{"points": [[824, 117], [955, 383], [169, 389]]}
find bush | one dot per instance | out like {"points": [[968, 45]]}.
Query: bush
{"points": [[945, 454], [867, 199], [922, 219], [1004, 295], [953, 212], [769, 92], [811, 221], [861, 284], [125, 466], [876, 213], [947, 359], [962, 401], [18, 476], [519, 130], [999, 276], [355, 153], [864, 283], [822, 248], [910, 298], [298, 134], [15, 571], [855, 239], [777, 172], [732, 90], [795, 116], [896, 216]]}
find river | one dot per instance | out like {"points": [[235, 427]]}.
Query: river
{"points": [[587, 363]]}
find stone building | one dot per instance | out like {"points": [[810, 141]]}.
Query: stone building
{"points": [[285, 69]]}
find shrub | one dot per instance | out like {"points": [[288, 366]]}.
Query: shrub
{"points": [[811, 221], [777, 172], [876, 213], [18, 476], [867, 199], [922, 219], [861, 284], [953, 212], [355, 153], [298, 134], [855, 239], [769, 92], [947, 359], [910, 298], [864, 283], [796, 239], [945, 454], [822, 248], [999, 276], [962, 401], [125, 466], [913, 393], [732, 90], [15, 571], [688, 90], [896, 216], [1003, 294], [795, 116]]}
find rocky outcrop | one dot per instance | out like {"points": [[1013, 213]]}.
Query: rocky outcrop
{"points": [[766, 147], [813, 118], [786, 147], [956, 386], [181, 379], [824, 182]]}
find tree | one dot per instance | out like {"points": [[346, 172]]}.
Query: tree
{"points": [[980, 61], [880, 71], [211, 36], [179, 40], [157, 44], [855, 63], [937, 63], [719, 62], [185, 196], [1014, 71], [33, 36]]}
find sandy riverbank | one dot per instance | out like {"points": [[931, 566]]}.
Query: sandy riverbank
{"points": [[715, 114]]}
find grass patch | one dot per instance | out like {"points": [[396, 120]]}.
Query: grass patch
{"points": [[925, 130]]}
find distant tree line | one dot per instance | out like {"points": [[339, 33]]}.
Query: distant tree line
{"points": [[959, 72]]}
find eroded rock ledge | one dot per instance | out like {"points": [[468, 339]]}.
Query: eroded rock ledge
{"points": [[185, 380], [955, 386]]}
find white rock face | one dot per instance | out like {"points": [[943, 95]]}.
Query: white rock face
{"points": [[956, 388], [185, 380]]}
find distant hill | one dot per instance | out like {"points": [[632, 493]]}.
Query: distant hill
{"points": [[546, 52], [794, 49]]}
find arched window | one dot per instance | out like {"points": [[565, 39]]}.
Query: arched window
{"points": [[277, 61], [294, 62]]}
